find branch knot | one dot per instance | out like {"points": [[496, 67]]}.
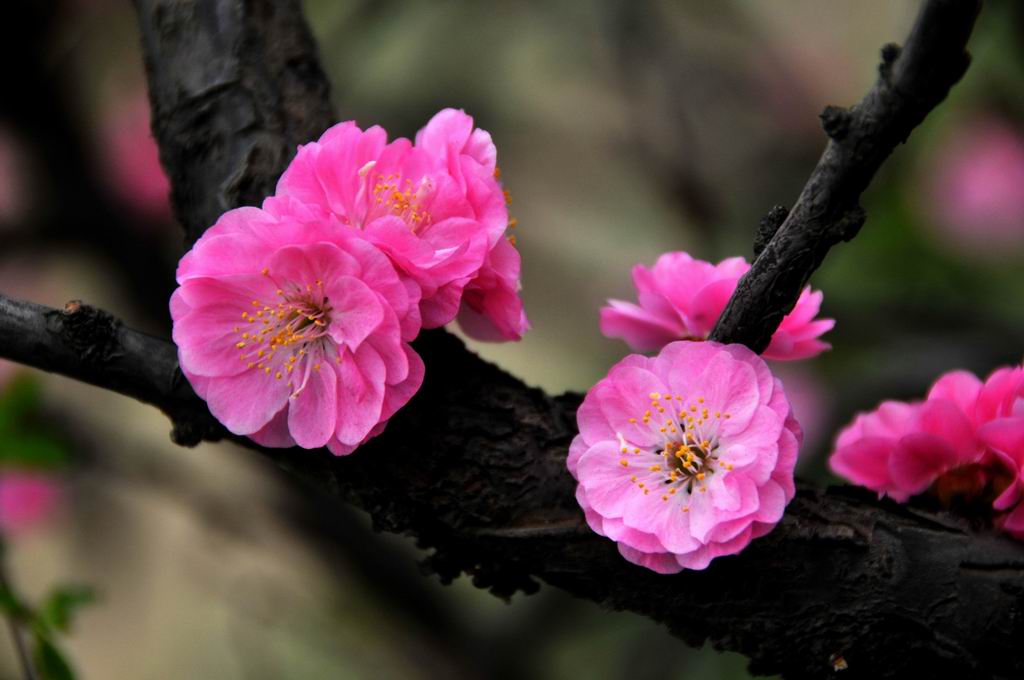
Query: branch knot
{"points": [[767, 227], [835, 120], [890, 53], [91, 332]]}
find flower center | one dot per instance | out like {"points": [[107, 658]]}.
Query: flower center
{"points": [[287, 334], [395, 195], [971, 489], [404, 198], [688, 462], [690, 449]]}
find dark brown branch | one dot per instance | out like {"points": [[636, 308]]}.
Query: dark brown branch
{"points": [[911, 82], [474, 465], [90, 345]]}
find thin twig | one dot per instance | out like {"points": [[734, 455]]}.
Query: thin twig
{"points": [[911, 82], [28, 669]]}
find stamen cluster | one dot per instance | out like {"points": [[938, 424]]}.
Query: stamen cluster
{"points": [[294, 329]]}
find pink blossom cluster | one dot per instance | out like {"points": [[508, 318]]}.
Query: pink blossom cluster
{"points": [[973, 188], [964, 443], [681, 298], [293, 320], [26, 499], [133, 160], [685, 456], [27, 496]]}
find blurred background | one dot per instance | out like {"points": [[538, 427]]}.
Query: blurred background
{"points": [[624, 130]]}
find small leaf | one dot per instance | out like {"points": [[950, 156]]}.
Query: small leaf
{"points": [[12, 606], [50, 662], [30, 450], [20, 398], [63, 603]]}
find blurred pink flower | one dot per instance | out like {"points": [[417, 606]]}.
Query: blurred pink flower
{"points": [[295, 329], [685, 456], [12, 179], [812, 404], [435, 208], [26, 498], [681, 298], [973, 188], [133, 160]]}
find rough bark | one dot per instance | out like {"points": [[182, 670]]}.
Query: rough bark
{"points": [[474, 465], [235, 86]]}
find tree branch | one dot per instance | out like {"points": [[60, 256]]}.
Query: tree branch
{"points": [[474, 466], [911, 82], [235, 87]]}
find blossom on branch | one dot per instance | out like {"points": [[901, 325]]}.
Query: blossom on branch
{"points": [[685, 456], [293, 321], [294, 329], [964, 445], [681, 298], [435, 208]]}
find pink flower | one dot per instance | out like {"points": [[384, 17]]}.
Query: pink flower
{"points": [[681, 299], [1001, 395], [973, 189], [901, 449], [26, 498], [685, 456], [943, 445], [295, 330], [1005, 437], [133, 161], [435, 208], [491, 307]]}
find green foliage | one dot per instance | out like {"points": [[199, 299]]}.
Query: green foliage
{"points": [[53, 618], [25, 441], [50, 661], [28, 441], [11, 606], [62, 604], [17, 400], [46, 623]]}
